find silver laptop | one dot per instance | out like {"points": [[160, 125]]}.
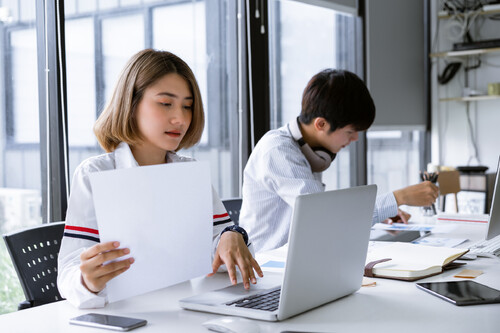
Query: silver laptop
{"points": [[327, 249], [494, 220], [490, 246]]}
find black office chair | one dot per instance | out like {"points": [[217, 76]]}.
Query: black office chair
{"points": [[233, 207], [34, 254]]}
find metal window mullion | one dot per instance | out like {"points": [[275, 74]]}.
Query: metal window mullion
{"points": [[275, 53], [358, 150], [425, 141], [258, 71], [52, 109], [148, 27], [242, 102]]}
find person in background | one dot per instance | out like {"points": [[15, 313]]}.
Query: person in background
{"points": [[288, 161], [156, 109]]}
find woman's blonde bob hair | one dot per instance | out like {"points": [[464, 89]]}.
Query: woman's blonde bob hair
{"points": [[117, 122]]}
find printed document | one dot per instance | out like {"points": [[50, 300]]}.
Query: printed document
{"points": [[163, 214]]}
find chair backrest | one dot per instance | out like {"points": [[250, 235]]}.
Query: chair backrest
{"points": [[34, 253], [233, 207], [449, 183]]}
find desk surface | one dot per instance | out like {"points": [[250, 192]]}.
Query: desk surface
{"points": [[390, 306]]}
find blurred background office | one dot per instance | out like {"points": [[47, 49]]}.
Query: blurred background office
{"points": [[60, 59]]}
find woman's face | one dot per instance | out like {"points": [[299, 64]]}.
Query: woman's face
{"points": [[164, 113]]}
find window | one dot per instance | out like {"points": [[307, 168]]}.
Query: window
{"points": [[188, 41], [394, 158], [81, 92], [20, 164], [100, 39], [305, 39]]}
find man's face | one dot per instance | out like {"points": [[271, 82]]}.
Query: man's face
{"points": [[338, 139]]}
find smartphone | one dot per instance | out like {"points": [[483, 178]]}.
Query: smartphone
{"points": [[300, 332], [109, 322], [462, 292]]}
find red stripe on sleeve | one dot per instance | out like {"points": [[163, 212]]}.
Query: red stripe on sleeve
{"points": [[221, 215], [92, 231]]}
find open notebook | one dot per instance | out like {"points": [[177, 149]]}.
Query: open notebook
{"points": [[410, 262], [327, 249]]}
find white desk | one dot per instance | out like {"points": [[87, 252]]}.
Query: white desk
{"points": [[390, 306]]}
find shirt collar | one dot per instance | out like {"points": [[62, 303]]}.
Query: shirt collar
{"points": [[125, 159], [172, 157]]}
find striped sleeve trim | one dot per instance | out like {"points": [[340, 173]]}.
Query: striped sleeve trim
{"points": [[82, 233], [95, 239], [81, 229], [221, 219]]}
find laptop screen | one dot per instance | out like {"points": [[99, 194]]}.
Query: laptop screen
{"points": [[494, 222]]}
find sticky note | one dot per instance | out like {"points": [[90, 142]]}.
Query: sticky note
{"points": [[469, 273], [368, 282]]}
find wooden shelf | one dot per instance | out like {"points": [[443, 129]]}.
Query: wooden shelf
{"points": [[470, 98], [464, 53]]}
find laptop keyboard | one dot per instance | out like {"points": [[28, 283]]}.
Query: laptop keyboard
{"points": [[267, 301], [486, 247]]}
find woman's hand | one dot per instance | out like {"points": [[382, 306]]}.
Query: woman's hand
{"points": [[232, 251], [95, 275]]}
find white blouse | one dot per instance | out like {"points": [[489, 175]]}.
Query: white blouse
{"points": [[81, 231]]}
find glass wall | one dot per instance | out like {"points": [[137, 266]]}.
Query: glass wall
{"points": [[393, 160], [305, 39], [20, 165], [101, 36]]}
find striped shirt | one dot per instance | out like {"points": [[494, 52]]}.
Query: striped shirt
{"points": [[81, 231], [275, 174]]}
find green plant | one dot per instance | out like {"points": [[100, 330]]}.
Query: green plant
{"points": [[11, 292]]}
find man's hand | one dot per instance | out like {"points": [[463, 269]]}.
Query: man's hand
{"points": [[423, 194], [402, 217]]}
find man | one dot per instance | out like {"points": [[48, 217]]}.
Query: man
{"points": [[288, 161]]}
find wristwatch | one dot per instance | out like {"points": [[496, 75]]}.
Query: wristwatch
{"points": [[238, 229]]}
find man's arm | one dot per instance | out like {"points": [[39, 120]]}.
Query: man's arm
{"points": [[423, 194]]}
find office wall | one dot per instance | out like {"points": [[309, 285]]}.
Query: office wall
{"points": [[452, 138], [395, 62]]}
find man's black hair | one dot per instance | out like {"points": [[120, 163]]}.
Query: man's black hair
{"points": [[340, 97]]}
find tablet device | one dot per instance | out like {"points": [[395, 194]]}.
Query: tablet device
{"points": [[380, 235], [462, 292]]}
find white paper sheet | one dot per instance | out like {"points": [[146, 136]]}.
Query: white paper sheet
{"points": [[273, 260], [442, 228], [440, 241], [163, 213]]}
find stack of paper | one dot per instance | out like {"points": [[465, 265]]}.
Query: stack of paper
{"points": [[470, 218]]}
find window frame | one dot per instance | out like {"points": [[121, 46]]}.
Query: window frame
{"points": [[261, 100], [52, 109]]}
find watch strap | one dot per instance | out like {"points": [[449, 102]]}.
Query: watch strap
{"points": [[238, 229]]}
